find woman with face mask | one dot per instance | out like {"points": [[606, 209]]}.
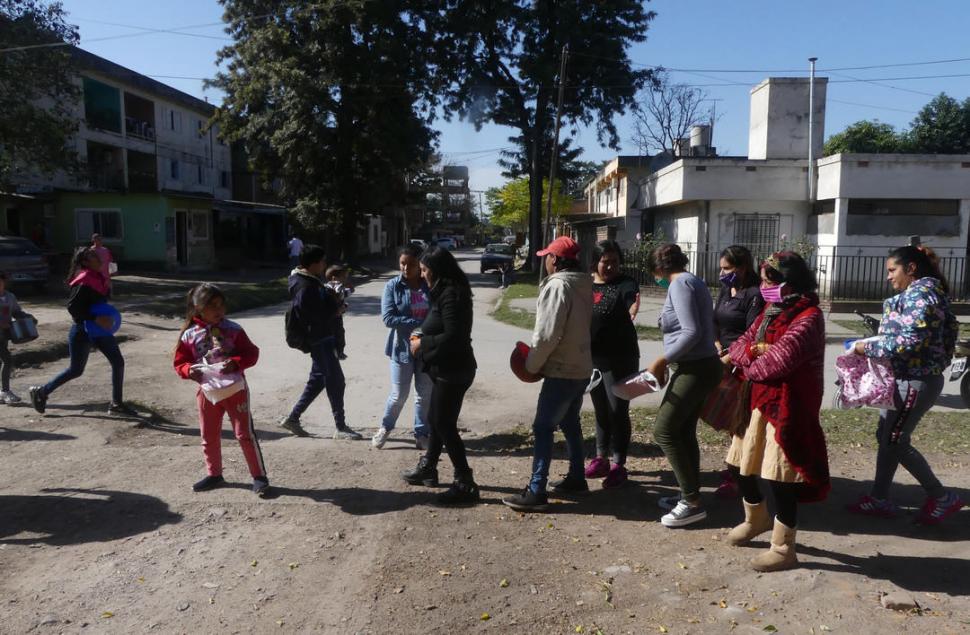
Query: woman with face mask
{"points": [[687, 323], [738, 305], [782, 355]]}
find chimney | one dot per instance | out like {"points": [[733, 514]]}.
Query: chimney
{"points": [[779, 118]]}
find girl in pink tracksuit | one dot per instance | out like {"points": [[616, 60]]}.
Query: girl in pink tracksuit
{"points": [[215, 352]]}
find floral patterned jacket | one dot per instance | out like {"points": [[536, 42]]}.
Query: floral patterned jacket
{"points": [[918, 331]]}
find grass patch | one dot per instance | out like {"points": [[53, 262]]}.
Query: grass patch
{"points": [[241, 295], [649, 332]]}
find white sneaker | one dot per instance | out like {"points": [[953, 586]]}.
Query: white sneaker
{"points": [[421, 443], [8, 397], [683, 514], [379, 439]]}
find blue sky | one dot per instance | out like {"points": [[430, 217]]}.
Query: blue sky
{"points": [[702, 36]]}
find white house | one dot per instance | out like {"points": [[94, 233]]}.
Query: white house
{"points": [[860, 206]]}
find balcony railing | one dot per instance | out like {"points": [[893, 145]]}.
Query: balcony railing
{"points": [[139, 129], [102, 178]]}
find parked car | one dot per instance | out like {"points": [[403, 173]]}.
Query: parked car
{"points": [[496, 255], [23, 261], [447, 243]]}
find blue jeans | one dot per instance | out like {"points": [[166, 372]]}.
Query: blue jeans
{"points": [[559, 403], [401, 377], [325, 373], [79, 348]]}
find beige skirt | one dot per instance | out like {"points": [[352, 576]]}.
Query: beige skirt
{"points": [[758, 454]]}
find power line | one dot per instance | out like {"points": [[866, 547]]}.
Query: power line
{"points": [[852, 103], [145, 29]]}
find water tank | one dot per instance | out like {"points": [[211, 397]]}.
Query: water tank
{"points": [[700, 139]]}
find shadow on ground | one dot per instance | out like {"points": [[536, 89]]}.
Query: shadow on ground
{"points": [[76, 516]]}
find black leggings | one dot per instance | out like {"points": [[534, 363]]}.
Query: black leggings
{"points": [[613, 413], [447, 395], [785, 494]]}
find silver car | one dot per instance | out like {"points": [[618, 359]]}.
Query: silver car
{"points": [[23, 262]]}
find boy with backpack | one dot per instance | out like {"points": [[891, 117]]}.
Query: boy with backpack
{"points": [[309, 324]]}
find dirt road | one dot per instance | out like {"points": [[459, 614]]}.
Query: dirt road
{"points": [[100, 532]]}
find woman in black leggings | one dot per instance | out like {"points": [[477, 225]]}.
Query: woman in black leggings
{"points": [[445, 349]]}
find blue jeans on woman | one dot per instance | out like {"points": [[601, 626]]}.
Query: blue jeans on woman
{"points": [[401, 377], [79, 348], [325, 373], [559, 403]]}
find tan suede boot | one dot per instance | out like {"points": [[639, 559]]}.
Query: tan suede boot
{"points": [[756, 522], [781, 554]]}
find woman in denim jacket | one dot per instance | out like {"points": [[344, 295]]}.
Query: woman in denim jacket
{"points": [[404, 306], [917, 335]]}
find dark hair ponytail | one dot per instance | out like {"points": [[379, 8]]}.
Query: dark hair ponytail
{"points": [[77, 262], [925, 260], [443, 266]]}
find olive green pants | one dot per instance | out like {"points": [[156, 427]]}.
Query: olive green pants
{"points": [[676, 428]]}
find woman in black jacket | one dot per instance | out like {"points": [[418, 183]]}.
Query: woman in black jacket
{"points": [[89, 287], [444, 346], [738, 305]]}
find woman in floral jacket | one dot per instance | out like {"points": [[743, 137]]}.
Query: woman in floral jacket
{"points": [[917, 334], [782, 355]]}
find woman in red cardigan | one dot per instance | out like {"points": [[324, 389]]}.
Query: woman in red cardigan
{"points": [[782, 355]]}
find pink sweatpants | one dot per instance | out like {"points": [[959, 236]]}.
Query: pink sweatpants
{"points": [[210, 424]]}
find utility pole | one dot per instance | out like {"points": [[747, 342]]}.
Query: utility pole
{"points": [[811, 129], [547, 235]]}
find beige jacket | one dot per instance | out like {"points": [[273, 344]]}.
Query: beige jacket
{"points": [[560, 341]]}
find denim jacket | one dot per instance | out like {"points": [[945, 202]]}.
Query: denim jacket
{"points": [[396, 313]]}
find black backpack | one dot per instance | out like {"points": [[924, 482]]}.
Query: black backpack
{"points": [[295, 331]]}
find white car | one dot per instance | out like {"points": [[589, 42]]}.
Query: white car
{"points": [[420, 243], [447, 243]]}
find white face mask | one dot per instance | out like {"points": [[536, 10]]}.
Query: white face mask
{"points": [[594, 380]]}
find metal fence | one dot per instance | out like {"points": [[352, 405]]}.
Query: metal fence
{"points": [[840, 278]]}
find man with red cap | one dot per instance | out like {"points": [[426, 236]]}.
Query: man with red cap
{"points": [[561, 354]]}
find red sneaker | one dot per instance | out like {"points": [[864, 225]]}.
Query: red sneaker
{"points": [[728, 488], [598, 468], [869, 506], [616, 478], [936, 510]]}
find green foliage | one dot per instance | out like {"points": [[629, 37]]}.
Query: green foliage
{"points": [[502, 60], [38, 92], [333, 98], [510, 203], [941, 127], [865, 136]]}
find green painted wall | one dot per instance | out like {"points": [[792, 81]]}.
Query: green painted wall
{"points": [[140, 214]]}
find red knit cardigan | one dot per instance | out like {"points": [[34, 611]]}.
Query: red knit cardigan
{"points": [[787, 386]]}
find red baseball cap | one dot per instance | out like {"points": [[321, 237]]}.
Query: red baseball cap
{"points": [[564, 247]]}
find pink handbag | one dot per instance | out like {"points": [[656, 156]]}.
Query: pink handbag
{"points": [[864, 381]]}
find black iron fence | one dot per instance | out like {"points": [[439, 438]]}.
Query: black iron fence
{"points": [[840, 278]]}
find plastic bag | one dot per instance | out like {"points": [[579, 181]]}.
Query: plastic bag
{"points": [[865, 381], [217, 385], [639, 383]]}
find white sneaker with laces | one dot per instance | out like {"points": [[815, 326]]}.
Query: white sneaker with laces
{"points": [[683, 514], [9, 398], [379, 439]]}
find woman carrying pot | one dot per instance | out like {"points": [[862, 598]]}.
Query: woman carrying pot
{"points": [[917, 334], [782, 355]]}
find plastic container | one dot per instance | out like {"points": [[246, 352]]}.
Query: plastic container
{"points": [[103, 309]]}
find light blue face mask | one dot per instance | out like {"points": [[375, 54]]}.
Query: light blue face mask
{"points": [[663, 283]]}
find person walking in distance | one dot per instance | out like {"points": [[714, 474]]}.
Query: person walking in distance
{"points": [[782, 355], [687, 323], [9, 311], [561, 354], [404, 306], [444, 348], [917, 335], [314, 307], [215, 352], [616, 353], [88, 288], [294, 247]]}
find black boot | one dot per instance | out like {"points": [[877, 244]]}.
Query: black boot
{"points": [[424, 474], [463, 491]]}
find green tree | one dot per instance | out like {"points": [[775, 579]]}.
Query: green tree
{"points": [[510, 203], [941, 127], [865, 136], [334, 98], [504, 58], [38, 89]]}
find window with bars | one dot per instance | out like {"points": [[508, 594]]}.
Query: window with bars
{"points": [[757, 232]]}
